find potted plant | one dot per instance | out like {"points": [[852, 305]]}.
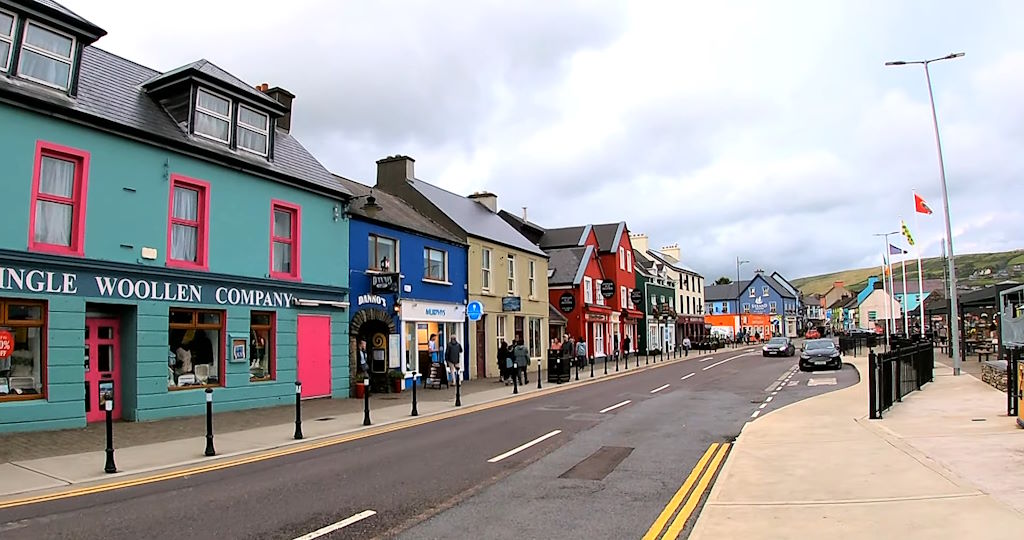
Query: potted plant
{"points": [[397, 380]]}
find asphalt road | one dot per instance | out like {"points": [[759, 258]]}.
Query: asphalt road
{"points": [[444, 480]]}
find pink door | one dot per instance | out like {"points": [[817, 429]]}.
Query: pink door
{"points": [[102, 367], [313, 349]]}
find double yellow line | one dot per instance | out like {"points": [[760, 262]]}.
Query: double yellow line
{"points": [[701, 475]]}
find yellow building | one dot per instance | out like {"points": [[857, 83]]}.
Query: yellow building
{"points": [[508, 274]]}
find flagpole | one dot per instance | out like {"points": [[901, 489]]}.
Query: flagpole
{"points": [[920, 269], [906, 324], [892, 291]]}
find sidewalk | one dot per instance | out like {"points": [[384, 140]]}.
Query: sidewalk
{"points": [[50, 460], [945, 463]]}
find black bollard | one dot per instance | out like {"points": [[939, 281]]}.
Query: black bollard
{"points": [[591, 360], [647, 360], [414, 411], [366, 402], [515, 378], [458, 389], [577, 371], [617, 362], [209, 423], [108, 406], [298, 410], [538, 376], [606, 364]]}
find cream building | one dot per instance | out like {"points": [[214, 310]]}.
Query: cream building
{"points": [[873, 312], [689, 287], [508, 274]]}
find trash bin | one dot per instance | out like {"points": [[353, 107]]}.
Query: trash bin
{"points": [[558, 368]]}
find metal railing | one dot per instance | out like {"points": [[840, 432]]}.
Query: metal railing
{"points": [[894, 374], [857, 344], [1013, 386]]}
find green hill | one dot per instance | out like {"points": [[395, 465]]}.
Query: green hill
{"points": [[973, 270]]}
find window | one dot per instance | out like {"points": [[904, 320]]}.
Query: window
{"points": [[46, 56], [196, 348], [485, 269], [725, 308], [435, 264], [771, 306], [629, 261], [285, 239], [533, 279], [511, 273], [382, 254], [6, 39], [535, 338], [588, 290], [188, 227], [500, 321], [598, 339], [23, 369], [746, 308], [623, 297], [600, 297], [213, 116], [622, 259], [753, 292], [59, 181], [262, 346], [764, 291], [253, 130], [872, 316]]}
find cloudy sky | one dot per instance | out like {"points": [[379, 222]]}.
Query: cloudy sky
{"points": [[765, 130]]}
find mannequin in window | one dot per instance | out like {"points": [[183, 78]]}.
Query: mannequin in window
{"points": [[385, 265], [202, 348]]}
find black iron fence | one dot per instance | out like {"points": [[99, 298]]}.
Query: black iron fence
{"points": [[1013, 386], [894, 374], [857, 344]]}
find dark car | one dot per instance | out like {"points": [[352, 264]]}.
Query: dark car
{"points": [[778, 346], [820, 353]]}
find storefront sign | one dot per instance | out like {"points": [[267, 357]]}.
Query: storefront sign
{"points": [[133, 287], [607, 288], [384, 283], [371, 299], [432, 311], [475, 310], [567, 302], [511, 303], [6, 344], [637, 296]]}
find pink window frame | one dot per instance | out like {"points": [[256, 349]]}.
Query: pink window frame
{"points": [[78, 198], [203, 237], [296, 239]]}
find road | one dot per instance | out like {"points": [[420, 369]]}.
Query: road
{"points": [[470, 476]]}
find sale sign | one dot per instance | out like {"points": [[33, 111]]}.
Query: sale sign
{"points": [[6, 343]]}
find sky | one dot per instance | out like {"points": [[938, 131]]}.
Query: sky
{"points": [[769, 131]]}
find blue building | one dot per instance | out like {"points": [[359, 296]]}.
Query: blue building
{"points": [[721, 299], [408, 282], [167, 225], [769, 295]]}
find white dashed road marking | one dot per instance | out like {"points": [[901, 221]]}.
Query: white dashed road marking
{"points": [[684, 377], [616, 406], [520, 448], [769, 398], [336, 526], [829, 381], [660, 388], [757, 412]]}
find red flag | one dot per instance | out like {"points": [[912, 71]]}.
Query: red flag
{"points": [[920, 206]]}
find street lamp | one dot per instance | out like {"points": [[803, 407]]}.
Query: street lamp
{"points": [[954, 315], [738, 263], [888, 304], [370, 207]]}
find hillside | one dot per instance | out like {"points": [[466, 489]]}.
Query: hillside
{"points": [[974, 270]]}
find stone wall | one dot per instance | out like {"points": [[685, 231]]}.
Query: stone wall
{"points": [[994, 374]]}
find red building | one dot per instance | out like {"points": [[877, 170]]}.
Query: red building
{"points": [[590, 281]]}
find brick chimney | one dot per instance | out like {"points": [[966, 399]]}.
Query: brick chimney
{"points": [[394, 171], [639, 241], [672, 250], [283, 97], [837, 284], [486, 198]]}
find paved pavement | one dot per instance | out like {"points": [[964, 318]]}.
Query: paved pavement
{"points": [[944, 463]]}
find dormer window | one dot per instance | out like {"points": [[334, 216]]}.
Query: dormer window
{"points": [[6, 39], [213, 116], [47, 56], [253, 130]]}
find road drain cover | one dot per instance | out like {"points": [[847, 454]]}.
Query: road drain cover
{"points": [[978, 419], [599, 464], [324, 419]]}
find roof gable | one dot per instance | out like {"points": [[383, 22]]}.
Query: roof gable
{"points": [[608, 235], [397, 213], [205, 71]]}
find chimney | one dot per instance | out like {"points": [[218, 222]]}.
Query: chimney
{"points": [[672, 251], [394, 171], [639, 241], [488, 199], [837, 284], [283, 97], [524, 213]]}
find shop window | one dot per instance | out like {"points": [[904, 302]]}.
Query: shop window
{"points": [[262, 346], [188, 227], [57, 221], [195, 348], [22, 350], [383, 254], [535, 338], [485, 269], [511, 273], [285, 237], [435, 264]]}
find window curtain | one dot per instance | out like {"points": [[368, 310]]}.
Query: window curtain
{"points": [[53, 220], [44, 68], [184, 238], [256, 142], [212, 126]]}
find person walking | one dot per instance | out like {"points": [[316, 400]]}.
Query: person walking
{"points": [[626, 345], [581, 352], [503, 354], [453, 359], [686, 346], [522, 360]]}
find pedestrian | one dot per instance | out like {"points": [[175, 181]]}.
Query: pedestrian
{"points": [[363, 367], [503, 353], [686, 346], [432, 347], [521, 358], [581, 351], [626, 344], [453, 357]]}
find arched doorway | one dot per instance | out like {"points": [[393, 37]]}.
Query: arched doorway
{"points": [[374, 326]]}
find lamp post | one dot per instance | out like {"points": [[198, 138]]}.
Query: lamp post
{"points": [[738, 263], [888, 304], [954, 315]]}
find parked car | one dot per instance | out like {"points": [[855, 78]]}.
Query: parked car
{"points": [[817, 353], [778, 346], [812, 333]]}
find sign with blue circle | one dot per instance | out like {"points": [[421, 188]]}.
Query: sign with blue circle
{"points": [[475, 310]]}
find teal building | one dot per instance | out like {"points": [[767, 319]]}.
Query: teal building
{"points": [[163, 233]]}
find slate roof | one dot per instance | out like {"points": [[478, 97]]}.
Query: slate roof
{"points": [[210, 69], [841, 302], [563, 237], [555, 316], [532, 231], [607, 234], [396, 213], [110, 95], [642, 264], [718, 293], [65, 11], [672, 262], [779, 288], [564, 264], [475, 218]]}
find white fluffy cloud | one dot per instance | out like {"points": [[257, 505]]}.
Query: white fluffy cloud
{"points": [[769, 131]]}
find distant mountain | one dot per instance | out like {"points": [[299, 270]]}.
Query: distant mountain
{"points": [[973, 271]]}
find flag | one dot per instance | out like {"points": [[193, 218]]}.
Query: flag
{"points": [[893, 250], [920, 206], [906, 233]]}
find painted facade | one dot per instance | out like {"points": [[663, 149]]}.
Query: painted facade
{"points": [[690, 297], [129, 239], [659, 305], [763, 297]]}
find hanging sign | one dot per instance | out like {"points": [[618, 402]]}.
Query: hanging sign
{"points": [[567, 302], [607, 289], [637, 296], [384, 283]]}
